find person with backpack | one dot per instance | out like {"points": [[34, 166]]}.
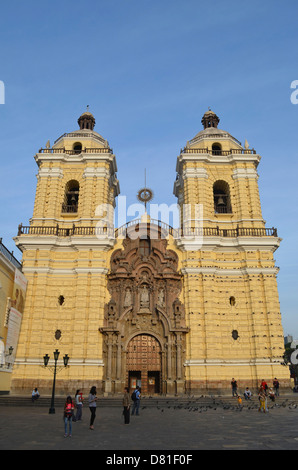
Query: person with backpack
{"points": [[136, 398]]}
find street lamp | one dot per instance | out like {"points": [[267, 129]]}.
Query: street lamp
{"points": [[46, 358]]}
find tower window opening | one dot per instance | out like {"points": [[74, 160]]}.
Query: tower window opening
{"points": [[77, 148], [216, 149], [71, 198], [222, 200]]}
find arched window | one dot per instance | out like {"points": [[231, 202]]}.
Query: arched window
{"points": [[71, 197], [216, 149], [222, 200], [77, 147]]}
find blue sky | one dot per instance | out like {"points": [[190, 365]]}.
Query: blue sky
{"points": [[149, 70]]}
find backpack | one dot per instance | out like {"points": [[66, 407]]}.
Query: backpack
{"points": [[133, 396]]}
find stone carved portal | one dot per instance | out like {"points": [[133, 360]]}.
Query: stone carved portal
{"points": [[144, 325]]}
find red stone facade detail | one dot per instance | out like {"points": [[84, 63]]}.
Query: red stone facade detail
{"points": [[144, 320]]}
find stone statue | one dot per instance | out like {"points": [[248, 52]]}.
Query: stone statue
{"points": [[161, 298], [144, 297], [128, 298]]}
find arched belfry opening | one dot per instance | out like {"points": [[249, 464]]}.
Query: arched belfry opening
{"points": [[222, 198], [144, 328]]}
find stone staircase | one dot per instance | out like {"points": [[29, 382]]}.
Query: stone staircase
{"points": [[159, 402]]}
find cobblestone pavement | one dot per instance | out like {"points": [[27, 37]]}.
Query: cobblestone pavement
{"points": [[33, 428]]}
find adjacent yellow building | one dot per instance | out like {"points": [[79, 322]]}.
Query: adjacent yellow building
{"points": [[12, 298], [175, 311]]}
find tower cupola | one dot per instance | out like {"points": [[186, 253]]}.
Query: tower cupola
{"points": [[210, 119], [86, 120]]}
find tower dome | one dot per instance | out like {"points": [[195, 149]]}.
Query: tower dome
{"points": [[210, 119], [86, 120]]}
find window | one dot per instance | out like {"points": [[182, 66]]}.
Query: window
{"points": [[216, 149], [144, 247], [77, 147], [235, 335], [71, 197], [222, 200]]}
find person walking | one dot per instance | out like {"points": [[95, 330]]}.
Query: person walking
{"points": [[126, 406], [276, 387], [136, 401], [234, 387], [263, 400], [68, 414], [92, 398], [79, 405]]}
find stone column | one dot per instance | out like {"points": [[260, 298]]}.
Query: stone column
{"points": [[118, 381], [179, 381]]}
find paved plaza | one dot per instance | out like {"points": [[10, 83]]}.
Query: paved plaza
{"points": [[182, 429]]}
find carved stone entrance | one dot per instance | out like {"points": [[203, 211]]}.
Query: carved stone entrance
{"points": [[144, 325]]}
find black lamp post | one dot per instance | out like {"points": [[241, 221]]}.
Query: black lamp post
{"points": [[46, 361]]}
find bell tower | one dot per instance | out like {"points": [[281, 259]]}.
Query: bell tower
{"points": [[65, 249], [230, 277]]}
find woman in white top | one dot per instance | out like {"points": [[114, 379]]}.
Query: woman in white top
{"points": [[92, 405], [79, 405]]}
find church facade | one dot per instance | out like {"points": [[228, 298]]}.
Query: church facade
{"points": [[172, 310]]}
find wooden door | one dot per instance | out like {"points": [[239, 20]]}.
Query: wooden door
{"points": [[144, 356]]}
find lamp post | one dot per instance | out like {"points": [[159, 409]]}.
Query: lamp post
{"points": [[46, 361]]}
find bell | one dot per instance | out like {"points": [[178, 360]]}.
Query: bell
{"points": [[221, 201], [73, 200]]}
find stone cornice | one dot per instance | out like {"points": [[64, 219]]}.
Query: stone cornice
{"points": [[63, 271], [216, 159], [228, 244], [29, 242], [77, 159], [216, 271]]}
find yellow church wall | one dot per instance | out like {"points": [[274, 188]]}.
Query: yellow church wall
{"points": [[213, 270], [244, 195], [78, 319], [7, 274], [50, 195]]}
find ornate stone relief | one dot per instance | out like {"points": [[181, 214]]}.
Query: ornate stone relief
{"points": [[145, 292]]}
